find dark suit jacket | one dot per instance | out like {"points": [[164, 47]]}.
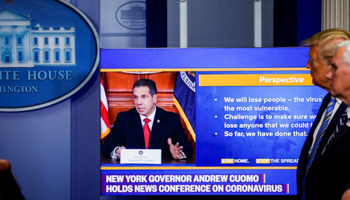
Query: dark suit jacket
{"points": [[333, 172], [312, 185], [127, 131]]}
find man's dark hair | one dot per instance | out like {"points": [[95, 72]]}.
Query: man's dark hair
{"points": [[146, 82]]}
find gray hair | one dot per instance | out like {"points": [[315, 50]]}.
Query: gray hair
{"points": [[346, 56]]}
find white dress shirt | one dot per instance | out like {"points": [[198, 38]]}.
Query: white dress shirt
{"points": [[151, 117]]}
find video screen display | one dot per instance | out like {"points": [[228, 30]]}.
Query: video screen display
{"points": [[246, 113]]}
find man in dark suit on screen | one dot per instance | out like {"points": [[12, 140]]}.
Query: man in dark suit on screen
{"points": [[147, 127], [322, 48]]}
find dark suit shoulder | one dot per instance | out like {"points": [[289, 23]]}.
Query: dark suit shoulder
{"points": [[166, 114], [327, 97], [127, 117], [127, 113]]}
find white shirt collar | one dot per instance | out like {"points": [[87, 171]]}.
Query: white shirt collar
{"points": [[338, 100], [151, 117]]}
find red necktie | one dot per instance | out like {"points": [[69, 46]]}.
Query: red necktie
{"points": [[146, 132]]}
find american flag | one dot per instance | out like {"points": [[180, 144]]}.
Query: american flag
{"points": [[105, 129]]}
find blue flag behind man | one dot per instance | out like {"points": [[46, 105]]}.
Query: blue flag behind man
{"points": [[184, 98]]}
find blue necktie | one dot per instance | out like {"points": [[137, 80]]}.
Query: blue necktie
{"points": [[319, 136]]}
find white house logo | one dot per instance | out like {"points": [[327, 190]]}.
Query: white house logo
{"points": [[132, 15], [45, 56], [26, 46]]}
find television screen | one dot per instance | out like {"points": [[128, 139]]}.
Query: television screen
{"points": [[246, 113]]}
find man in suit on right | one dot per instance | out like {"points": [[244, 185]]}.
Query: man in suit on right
{"points": [[336, 157], [322, 48]]}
